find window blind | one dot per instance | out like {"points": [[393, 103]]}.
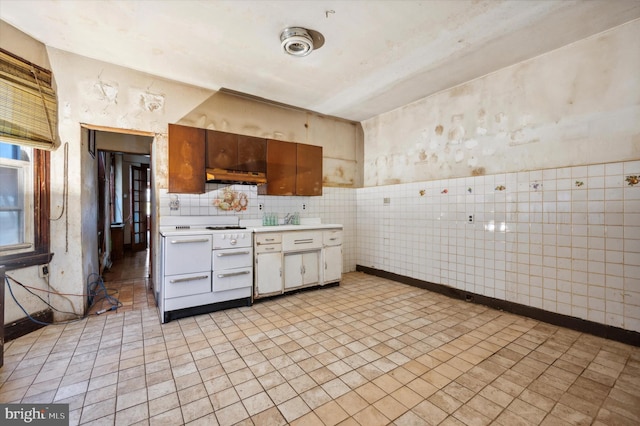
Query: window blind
{"points": [[28, 105]]}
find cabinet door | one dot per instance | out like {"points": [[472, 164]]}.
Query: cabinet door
{"points": [[268, 273], [281, 169], [310, 268], [309, 170], [186, 159], [222, 150], [292, 271], [252, 154], [332, 264]]}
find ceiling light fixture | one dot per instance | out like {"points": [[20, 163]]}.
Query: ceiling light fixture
{"points": [[297, 41]]}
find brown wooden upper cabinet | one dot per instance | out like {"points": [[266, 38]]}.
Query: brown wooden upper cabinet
{"points": [[229, 151], [292, 169], [309, 170], [186, 159]]}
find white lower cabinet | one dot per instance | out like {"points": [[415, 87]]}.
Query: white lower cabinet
{"points": [[268, 279], [332, 264], [288, 260], [301, 269]]}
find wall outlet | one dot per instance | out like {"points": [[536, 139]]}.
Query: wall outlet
{"points": [[304, 207], [43, 271], [470, 219]]}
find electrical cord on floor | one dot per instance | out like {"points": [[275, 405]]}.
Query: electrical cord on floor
{"points": [[97, 292], [95, 289], [46, 303]]}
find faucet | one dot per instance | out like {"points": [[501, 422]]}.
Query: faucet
{"points": [[292, 219]]}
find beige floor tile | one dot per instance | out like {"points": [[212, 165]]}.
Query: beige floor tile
{"points": [[294, 409], [411, 358], [231, 414], [371, 416]]}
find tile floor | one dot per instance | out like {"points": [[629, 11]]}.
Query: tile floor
{"points": [[370, 352]]}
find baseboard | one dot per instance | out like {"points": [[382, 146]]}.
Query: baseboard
{"points": [[597, 329], [24, 326]]}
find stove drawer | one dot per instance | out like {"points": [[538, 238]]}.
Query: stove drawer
{"points": [[187, 284], [232, 258], [231, 279]]}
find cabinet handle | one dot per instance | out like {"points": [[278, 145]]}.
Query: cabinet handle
{"points": [[305, 241], [201, 240], [184, 280], [269, 239], [333, 239], [233, 274], [232, 254]]}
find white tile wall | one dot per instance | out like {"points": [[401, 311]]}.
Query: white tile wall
{"points": [[545, 241], [336, 205]]}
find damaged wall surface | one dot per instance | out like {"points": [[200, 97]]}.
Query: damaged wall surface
{"points": [[577, 105]]}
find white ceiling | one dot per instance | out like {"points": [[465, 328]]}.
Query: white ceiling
{"points": [[378, 55]]}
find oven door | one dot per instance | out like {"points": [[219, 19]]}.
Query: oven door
{"points": [[187, 254]]}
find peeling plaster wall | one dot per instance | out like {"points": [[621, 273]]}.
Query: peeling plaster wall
{"points": [[517, 185], [577, 105], [100, 94]]}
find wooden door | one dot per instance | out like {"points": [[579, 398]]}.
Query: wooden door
{"points": [[139, 207], [222, 150], [309, 170], [186, 159], [252, 154], [281, 169]]}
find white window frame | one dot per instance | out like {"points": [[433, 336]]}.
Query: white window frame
{"points": [[25, 204]]}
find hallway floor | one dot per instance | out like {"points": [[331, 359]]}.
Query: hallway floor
{"points": [[369, 352]]}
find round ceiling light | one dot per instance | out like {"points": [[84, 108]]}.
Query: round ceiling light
{"points": [[298, 41]]}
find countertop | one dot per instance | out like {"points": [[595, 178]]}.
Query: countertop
{"points": [[284, 228], [306, 225]]}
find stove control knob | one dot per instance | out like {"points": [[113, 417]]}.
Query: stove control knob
{"points": [[233, 242]]}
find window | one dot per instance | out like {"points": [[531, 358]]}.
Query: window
{"points": [[28, 124], [16, 199], [24, 206]]}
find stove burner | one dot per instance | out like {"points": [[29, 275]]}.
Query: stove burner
{"points": [[218, 228]]}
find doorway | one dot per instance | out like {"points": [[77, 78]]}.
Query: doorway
{"points": [[124, 200]]}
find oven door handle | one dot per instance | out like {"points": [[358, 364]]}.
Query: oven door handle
{"points": [[183, 280], [233, 274], [232, 254], [200, 240]]}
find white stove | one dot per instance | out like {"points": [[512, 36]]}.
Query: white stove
{"points": [[207, 265]]}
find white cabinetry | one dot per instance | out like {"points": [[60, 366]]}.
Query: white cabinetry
{"points": [[332, 256], [301, 250], [268, 265], [301, 269], [290, 259]]}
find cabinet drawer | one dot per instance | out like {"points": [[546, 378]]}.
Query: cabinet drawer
{"points": [[268, 238], [332, 238], [269, 248], [232, 279], [187, 284], [233, 258], [301, 241]]}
